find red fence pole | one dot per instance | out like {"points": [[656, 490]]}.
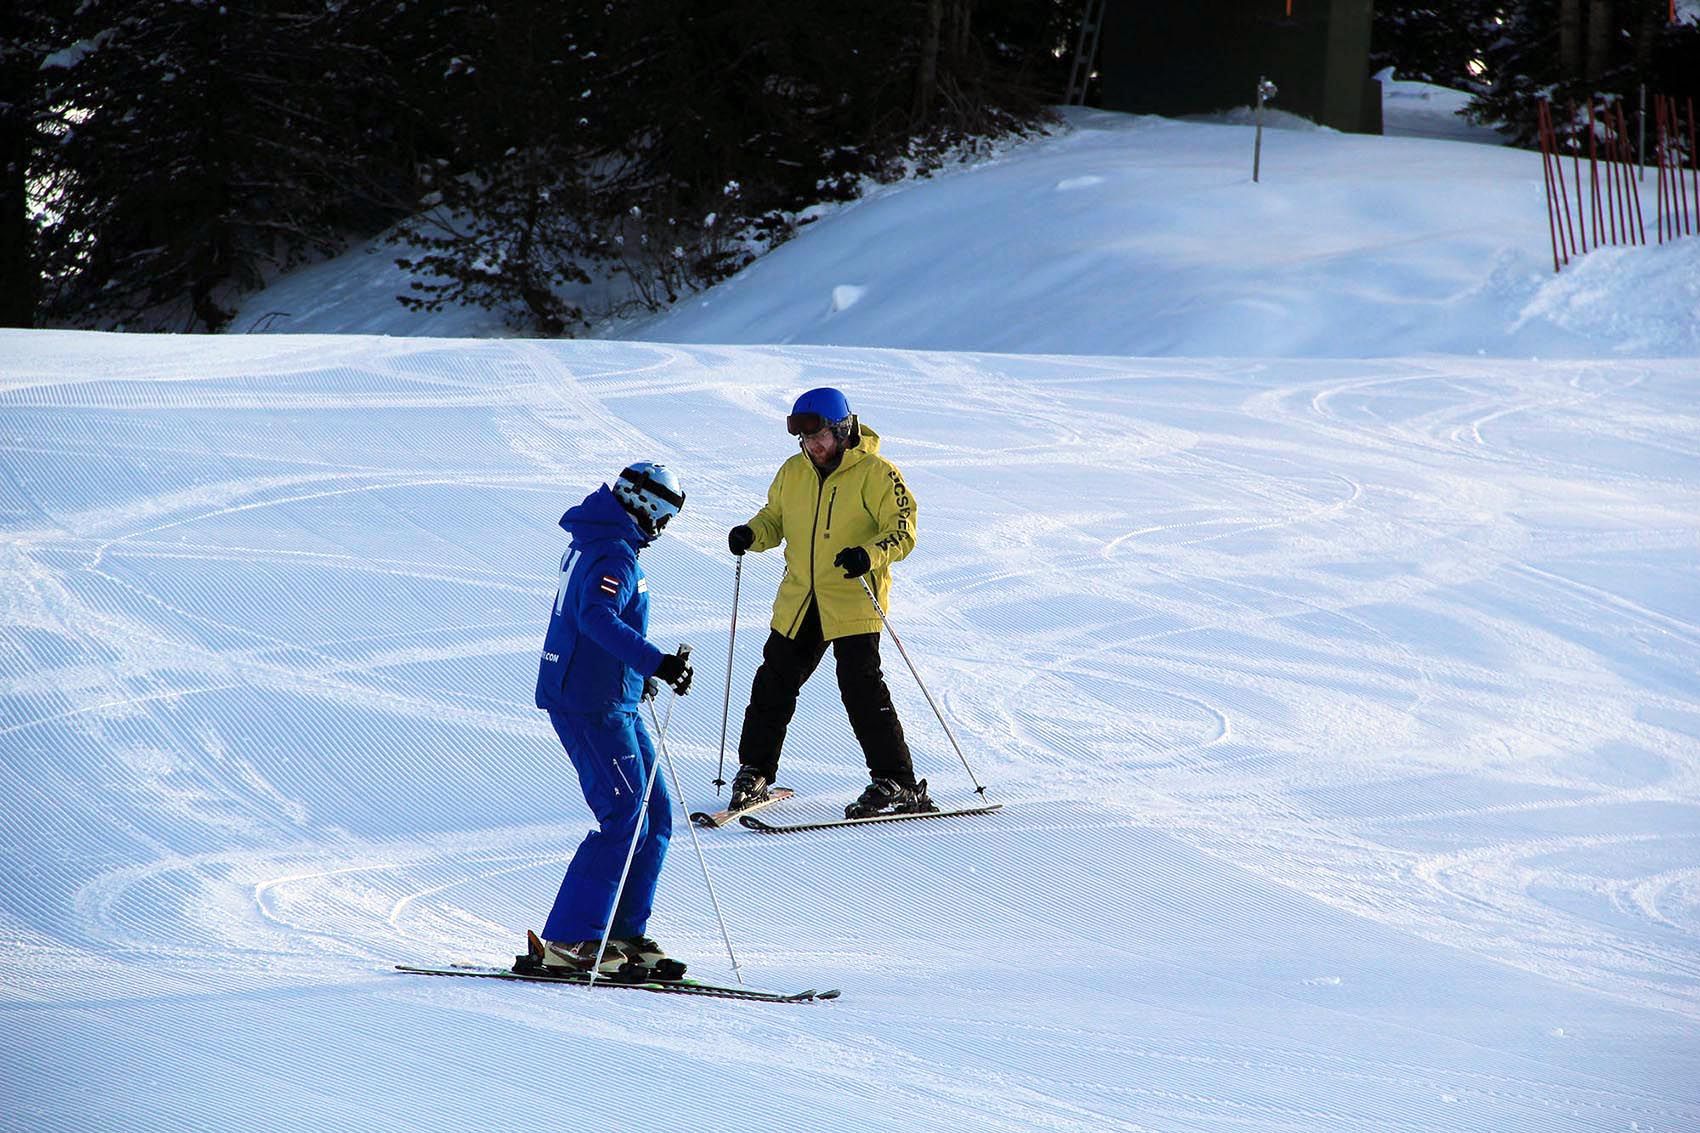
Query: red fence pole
{"points": [[1659, 147], [1694, 159], [1620, 229], [1678, 195], [1612, 198], [1567, 231], [1576, 169], [1544, 127], [1594, 205], [1626, 160], [1634, 182]]}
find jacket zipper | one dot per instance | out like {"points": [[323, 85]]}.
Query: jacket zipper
{"points": [[820, 490], [832, 499]]}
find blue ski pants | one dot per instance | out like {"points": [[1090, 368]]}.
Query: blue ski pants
{"points": [[613, 755]]}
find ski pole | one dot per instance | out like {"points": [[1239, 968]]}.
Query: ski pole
{"points": [[726, 705], [631, 851], [696, 844], [891, 629], [666, 720]]}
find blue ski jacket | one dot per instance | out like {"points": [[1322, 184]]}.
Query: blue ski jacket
{"points": [[595, 653]]}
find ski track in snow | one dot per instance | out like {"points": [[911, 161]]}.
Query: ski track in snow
{"points": [[1399, 650]]}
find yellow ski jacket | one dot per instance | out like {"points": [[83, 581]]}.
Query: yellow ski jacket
{"points": [[862, 503]]}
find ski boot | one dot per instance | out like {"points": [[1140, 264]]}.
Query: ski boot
{"points": [[888, 796], [749, 787], [643, 950], [561, 958], [566, 958]]}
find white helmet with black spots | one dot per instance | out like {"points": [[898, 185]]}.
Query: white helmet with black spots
{"points": [[651, 493]]}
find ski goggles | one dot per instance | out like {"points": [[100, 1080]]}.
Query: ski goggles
{"points": [[645, 483], [806, 424]]}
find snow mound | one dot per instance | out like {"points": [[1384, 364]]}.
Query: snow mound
{"points": [[1642, 301], [847, 295]]}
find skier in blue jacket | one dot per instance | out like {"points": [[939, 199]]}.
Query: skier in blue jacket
{"points": [[597, 665]]}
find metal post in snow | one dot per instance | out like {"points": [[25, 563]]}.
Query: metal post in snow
{"points": [[1266, 90]]}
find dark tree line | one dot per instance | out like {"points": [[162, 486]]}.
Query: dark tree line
{"points": [[1512, 53], [160, 157]]}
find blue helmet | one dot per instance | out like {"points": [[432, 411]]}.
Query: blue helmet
{"points": [[651, 493], [819, 408]]}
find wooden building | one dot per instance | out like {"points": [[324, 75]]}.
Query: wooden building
{"points": [[1200, 56]]}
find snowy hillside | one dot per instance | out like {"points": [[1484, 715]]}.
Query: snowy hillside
{"points": [[1343, 707], [1146, 236]]}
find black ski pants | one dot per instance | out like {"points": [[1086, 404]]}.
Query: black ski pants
{"points": [[788, 662]]}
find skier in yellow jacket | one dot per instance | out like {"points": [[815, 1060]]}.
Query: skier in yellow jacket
{"points": [[843, 511]]}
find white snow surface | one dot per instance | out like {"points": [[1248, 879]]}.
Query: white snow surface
{"points": [[1325, 620]]}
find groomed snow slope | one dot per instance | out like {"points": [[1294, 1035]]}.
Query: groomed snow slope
{"points": [[1344, 711]]}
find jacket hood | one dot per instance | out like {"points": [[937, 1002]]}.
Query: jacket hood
{"points": [[600, 518]]}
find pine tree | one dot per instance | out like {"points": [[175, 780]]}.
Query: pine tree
{"points": [[506, 217], [32, 32], [204, 143], [1435, 41], [200, 145], [718, 123], [1574, 50]]}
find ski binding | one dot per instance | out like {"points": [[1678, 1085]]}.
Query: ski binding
{"points": [[725, 817]]}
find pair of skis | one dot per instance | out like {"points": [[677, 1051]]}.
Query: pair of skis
{"points": [[580, 979], [526, 969], [666, 977], [746, 816]]}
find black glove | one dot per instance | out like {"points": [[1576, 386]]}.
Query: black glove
{"points": [[651, 688], [676, 671], [740, 539], [854, 561]]}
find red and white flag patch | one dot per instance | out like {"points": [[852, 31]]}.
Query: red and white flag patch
{"points": [[610, 584]]}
